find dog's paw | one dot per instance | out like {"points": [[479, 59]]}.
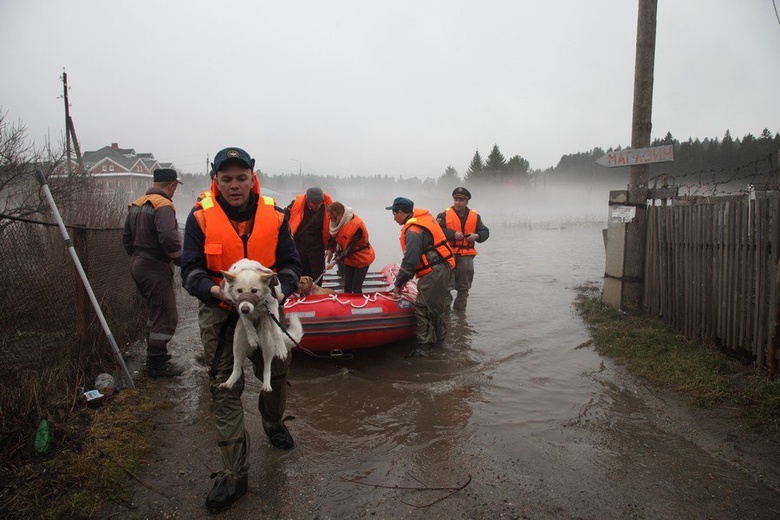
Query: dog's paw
{"points": [[225, 386]]}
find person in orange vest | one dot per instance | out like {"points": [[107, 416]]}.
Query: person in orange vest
{"points": [[463, 228], [234, 221], [151, 238], [309, 225], [351, 236], [427, 256]]}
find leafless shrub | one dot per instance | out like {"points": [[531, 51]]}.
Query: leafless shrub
{"points": [[20, 192]]}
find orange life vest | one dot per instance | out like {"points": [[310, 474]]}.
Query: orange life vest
{"points": [[423, 218], [296, 216], [156, 199], [363, 254], [452, 221], [223, 246]]}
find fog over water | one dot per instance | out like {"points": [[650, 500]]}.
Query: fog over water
{"points": [[541, 208]]}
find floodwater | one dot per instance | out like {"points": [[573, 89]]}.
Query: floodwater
{"points": [[516, 409]]}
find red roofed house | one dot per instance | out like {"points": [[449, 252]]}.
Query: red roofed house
{"points": [[121, 170]]}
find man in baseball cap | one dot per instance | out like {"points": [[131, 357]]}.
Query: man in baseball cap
{"points": [[234, 221], [402, 204], [232, 155], [427, 257]]}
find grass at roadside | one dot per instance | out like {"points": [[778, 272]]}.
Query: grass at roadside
{"points": [[665, 357], [90, 466]]}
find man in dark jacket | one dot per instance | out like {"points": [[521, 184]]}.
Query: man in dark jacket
{"points": [[309, 223], [232, 221], [428, 257], [151, 238]]}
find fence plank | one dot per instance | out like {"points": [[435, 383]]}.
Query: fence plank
{"points": [[710, 268]]}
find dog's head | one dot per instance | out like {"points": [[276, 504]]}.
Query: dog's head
{"points": [[247, 283], [305, 285]]}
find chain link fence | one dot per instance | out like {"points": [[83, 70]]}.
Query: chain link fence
{"points": [[52, 341]]}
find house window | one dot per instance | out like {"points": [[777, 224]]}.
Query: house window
{"points": [[104, 168], [111, 167]]}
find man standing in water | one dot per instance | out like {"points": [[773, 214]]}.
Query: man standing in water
{"points": [[151, 238], [428, 257], [463, 228], [231, 222]]}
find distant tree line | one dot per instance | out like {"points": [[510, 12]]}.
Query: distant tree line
{"points": [[727, 160]]}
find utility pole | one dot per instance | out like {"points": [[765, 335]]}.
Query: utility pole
{"points": [[636, 231], [70, 129], [67, 119], [624, 277]]}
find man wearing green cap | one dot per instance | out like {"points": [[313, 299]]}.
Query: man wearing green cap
{"points": [[428, 257], [234, 221]]}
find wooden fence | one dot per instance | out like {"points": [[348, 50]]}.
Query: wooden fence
{"points": [[710, 269]]}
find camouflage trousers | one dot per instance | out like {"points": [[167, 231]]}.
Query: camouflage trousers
{"points": [[461, 280], [217, 326], [431, 304]]}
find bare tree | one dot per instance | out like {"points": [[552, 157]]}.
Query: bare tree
{"points": [[20, 193]]}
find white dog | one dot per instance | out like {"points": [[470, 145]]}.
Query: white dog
{"points": [[253, 289]]}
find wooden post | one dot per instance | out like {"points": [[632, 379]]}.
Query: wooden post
{"points": [[772, 351], [636, 229]]}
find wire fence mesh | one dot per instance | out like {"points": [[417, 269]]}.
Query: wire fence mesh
{"points": [[48, 323]]}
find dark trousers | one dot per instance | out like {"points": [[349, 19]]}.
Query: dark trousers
{"points": [[232, 438], [354, 278], [154, 280], [312, 261]]}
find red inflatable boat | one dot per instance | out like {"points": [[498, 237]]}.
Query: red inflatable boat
{"points": [[334, 323]]}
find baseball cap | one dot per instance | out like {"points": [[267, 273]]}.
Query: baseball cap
{"points": [[402, 204], [232, 154]]}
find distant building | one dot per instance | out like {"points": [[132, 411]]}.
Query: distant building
{"points": [[119, 170]]}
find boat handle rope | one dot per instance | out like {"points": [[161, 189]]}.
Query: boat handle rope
{"points": [[335, 297]]}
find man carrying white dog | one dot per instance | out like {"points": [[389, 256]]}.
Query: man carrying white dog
{"points": [[234, 221]]}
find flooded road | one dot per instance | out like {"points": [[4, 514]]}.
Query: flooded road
{"points": [[516, 417]]}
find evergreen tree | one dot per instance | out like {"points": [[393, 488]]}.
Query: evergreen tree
{"points": [[517, 169], [475, 168], [450, 176], [494, 165], [495, 161]]}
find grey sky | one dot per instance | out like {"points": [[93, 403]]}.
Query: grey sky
{"points": [[393, 88]]}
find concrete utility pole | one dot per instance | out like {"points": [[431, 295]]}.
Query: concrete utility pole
{"points": [[70, 129], [67, 118], [623, 287]]}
